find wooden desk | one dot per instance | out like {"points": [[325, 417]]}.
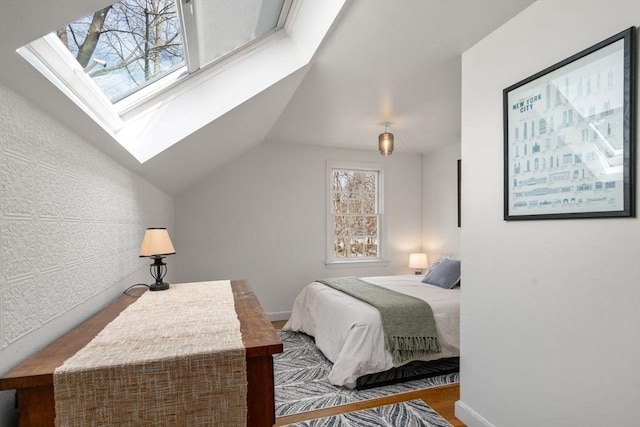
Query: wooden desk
{"points": [[33, 379]]}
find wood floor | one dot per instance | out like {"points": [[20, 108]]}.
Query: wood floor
{"points": [[442, 399]]}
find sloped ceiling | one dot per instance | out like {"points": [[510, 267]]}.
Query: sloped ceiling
{"points": [[384, 61], [391, 61], [186, 162]]}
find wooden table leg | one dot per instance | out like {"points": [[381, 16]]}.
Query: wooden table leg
{"points": [[260, 394], [36, 407]]}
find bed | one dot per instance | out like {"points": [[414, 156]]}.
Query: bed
{"points": [[349, 331]]}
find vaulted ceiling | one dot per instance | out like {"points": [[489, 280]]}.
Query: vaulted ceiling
{"points": [[395, 61]]}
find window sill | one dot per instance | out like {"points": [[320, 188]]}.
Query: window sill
{"points": [[357, 263]]}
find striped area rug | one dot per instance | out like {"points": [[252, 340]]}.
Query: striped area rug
{"points": [[414, 413], [302, 385]]}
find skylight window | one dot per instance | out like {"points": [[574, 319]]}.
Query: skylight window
{"points": [[132, 44], [127, 45], [135, 66]]}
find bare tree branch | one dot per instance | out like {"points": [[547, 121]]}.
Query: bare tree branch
{"points": [[91, 41], [139, 40]]}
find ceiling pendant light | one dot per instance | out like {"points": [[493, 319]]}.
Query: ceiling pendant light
{"points": [[385, 141]]}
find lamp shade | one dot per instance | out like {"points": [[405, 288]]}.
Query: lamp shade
{"points": [[385, 143], [156, 242], [418, 261]]}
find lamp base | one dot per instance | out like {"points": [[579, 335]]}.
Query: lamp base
{"points": [[161, 286], [158, 269]]}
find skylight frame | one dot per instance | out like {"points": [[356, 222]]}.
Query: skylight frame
{"points": [[187, 81], [49, 56], [206, 96], [191, 68]]}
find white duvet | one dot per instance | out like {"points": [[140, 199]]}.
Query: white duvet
{"points": [[349, 331]]}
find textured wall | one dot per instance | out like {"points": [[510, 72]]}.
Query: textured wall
{"points": [[71, 222]]}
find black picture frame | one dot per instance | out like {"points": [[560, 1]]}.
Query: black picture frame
{"points": [[569, 136]]}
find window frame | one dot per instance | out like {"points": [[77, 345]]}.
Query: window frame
{"points": [[331, 260], [52, 59]]}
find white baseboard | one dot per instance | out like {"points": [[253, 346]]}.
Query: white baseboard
{"points": [[470, 417], [281, 315]]}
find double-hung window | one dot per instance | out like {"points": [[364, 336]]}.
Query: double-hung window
{"points": [[355, 213]]}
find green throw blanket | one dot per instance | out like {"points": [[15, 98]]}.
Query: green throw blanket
{"points": [[408, 323]]}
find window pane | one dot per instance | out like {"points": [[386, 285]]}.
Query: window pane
{"points": [[341, 225], [370, 181], [339, 203], [357, 247], [126, 45], [369, 203], [356, 225], [358, 182], [340, 248], [336, 187], [341, 180], [371, 225], [225, 25], [355, 205], [371, 247]]}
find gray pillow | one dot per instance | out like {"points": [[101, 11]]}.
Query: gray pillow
{"points": [[445, 274]]}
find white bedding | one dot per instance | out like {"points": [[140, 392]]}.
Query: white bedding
{"points": [[349, 331]]}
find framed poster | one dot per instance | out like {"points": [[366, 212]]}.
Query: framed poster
{"points": [[569, 135]]}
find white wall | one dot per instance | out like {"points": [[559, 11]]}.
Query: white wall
{"points": [[441, 234], [71, 223], [262, 217], [550, 324]]}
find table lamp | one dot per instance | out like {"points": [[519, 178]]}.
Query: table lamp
{"points": [[155, 245], [419, 262]]}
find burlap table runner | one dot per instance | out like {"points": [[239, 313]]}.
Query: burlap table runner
{"points": [[173, 358]]}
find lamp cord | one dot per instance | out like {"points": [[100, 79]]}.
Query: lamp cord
{"points": [[133, 286]]}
